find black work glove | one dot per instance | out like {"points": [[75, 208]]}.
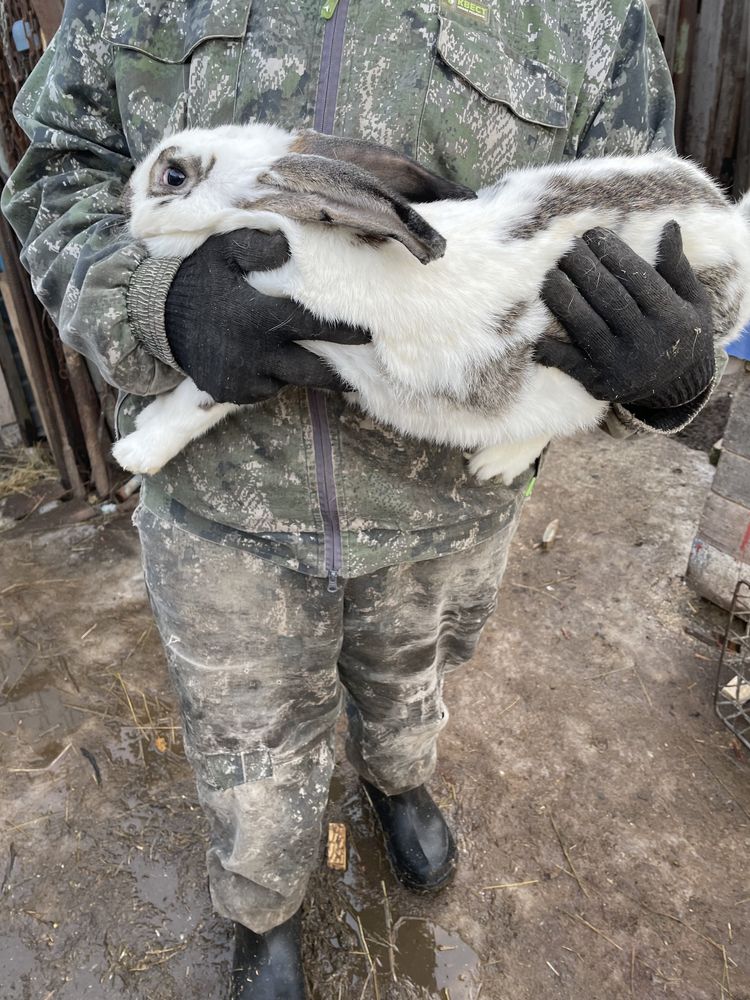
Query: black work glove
{"points": [[235, 343], [640, 336]]}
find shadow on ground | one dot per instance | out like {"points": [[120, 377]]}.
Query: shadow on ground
{"points": [[602, 811]]}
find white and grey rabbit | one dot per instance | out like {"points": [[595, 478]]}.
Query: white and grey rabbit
{"points": [[451, 358]]}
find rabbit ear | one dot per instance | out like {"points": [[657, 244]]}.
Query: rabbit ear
{"points": [[398, 172], [318, 189]]}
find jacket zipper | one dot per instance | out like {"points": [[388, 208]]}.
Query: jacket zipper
{"points": [[332, 541], [334, 13]]}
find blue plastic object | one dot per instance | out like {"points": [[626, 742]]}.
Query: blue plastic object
{"points": [[21, 32], [741, 348]]}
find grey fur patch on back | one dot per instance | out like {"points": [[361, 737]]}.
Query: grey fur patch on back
{"points": [[725, 293], [495, 387], [567, 194]]}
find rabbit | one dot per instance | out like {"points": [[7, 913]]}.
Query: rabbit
{"points": [[447, 282]]}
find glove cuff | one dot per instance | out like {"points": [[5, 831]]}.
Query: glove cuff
{"points": [[146, 302], [685, 390], [662, 420], [622, 421]]}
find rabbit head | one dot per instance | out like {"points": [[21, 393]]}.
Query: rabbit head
{"points": [[199, 182], [186, 187]]}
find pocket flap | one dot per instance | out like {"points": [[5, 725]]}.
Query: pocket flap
{"points": [[169, 31], [533, 91]]}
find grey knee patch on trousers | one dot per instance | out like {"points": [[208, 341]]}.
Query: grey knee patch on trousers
{"points": [[222, 771]]}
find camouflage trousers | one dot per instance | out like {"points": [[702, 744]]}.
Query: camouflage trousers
{"points": [[262, 658]]}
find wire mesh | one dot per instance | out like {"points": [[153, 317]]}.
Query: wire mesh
{"points": [[732, 695]]}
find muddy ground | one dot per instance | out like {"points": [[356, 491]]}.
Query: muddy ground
{"points": [[584, 772]]}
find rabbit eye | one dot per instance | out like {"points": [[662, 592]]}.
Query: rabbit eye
{"points": [[174, 177]]}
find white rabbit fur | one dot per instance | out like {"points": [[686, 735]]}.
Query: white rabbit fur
{"points": [[450, 359]]}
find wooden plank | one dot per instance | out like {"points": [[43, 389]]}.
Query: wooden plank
{"points": [[717, 72], [337, 846], [96, 436], [12, 380], [658, 10], [742, 162], [705, 71], [737, 431], [725, 524], [26, 321], [29, 362], [722, 143], [732, 479], [7, 413], [670, 35], [712, 573], [49, 14], [681, 44], [742, 157]]}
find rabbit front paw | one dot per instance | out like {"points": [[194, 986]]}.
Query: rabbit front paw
{"points": [[507, 461], [141, 452]]}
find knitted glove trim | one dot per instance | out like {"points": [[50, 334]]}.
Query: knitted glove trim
{"points": [[690, 386], [667, 420], [146, 303]]}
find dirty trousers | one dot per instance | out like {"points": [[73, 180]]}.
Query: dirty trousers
{"points": [[262, 658]]}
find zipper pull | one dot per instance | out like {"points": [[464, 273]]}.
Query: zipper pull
{"points": [[333, 582], [328, 9]]}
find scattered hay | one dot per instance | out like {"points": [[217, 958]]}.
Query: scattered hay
{"points": [[151, 720], [22, 469]]}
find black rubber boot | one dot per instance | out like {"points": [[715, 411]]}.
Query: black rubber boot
{"points": [[419, 844], [268, 966]]}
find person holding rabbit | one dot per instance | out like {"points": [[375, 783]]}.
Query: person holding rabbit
{"points": [[300, 555]]}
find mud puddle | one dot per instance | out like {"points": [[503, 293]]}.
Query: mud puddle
{"points": [[33, 707], [377, 930]]}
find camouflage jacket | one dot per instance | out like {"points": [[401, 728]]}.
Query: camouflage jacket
{"points": [[470, 89]]}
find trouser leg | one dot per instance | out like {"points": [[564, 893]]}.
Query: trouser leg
{"points": [[404, 627], [252, 651]]}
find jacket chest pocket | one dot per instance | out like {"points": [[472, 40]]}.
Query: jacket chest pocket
{"points": [[489, 109], [175, 64]]}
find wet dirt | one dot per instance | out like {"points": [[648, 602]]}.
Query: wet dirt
{"points": [[601, 809]]}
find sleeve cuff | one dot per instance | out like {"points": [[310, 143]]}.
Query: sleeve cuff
{"points": [[147, 299]]}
